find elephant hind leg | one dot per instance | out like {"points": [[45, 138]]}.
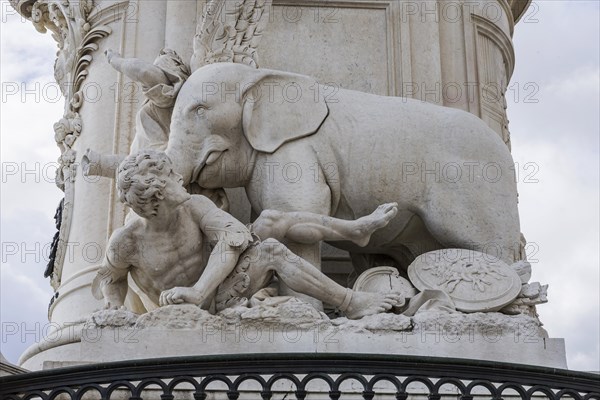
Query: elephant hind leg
{"points": [[488, 231]]}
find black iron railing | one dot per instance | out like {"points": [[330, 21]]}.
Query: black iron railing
{"points": [[394, 377]]}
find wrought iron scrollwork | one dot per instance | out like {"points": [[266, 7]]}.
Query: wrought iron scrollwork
{"points": [[393, 377]]}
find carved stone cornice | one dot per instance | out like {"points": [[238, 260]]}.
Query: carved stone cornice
{"points": [[23, 7], [518, 8]]}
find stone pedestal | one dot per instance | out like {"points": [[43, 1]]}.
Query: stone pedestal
{"points": [[130, 344], [296, 327]]}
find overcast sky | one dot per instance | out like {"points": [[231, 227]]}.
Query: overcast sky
{"points": [[554, 121]]}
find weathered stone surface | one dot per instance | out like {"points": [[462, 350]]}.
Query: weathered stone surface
{"points": [[186, 316], [381, 322], [112, 318], [278, 310], [289, 311], [490, 324], [523, 269]]}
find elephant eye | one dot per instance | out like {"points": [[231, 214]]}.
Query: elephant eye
{"points": [[201, 109]]}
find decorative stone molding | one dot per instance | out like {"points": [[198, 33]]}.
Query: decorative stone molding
{"points": [[493, 45], [519, 7], [230, 32], [68, 21]]}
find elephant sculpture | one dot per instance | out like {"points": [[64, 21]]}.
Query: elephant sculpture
{"points": [[295, 145]]}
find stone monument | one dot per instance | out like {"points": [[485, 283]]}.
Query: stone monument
{"points": [[245, 135]]}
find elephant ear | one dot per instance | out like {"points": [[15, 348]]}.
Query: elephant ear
{"points": [[280, 107]]}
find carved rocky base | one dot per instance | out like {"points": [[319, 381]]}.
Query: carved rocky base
{"points": [[292, 326]]}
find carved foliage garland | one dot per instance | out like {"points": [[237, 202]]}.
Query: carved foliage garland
{"points": [[69, 23], [76, 38]]}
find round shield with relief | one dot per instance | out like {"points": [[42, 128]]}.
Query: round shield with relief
{"points": [[475, 281], [384, 280]]}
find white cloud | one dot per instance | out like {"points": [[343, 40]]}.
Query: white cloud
{"points": [[25, 294], [28, 53], [560, 134], [28, 200], [22, 325]]}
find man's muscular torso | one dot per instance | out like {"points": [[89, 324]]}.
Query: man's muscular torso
{"points": [[162, 259]]}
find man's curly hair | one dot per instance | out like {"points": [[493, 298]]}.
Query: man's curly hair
{"points": [[141, 179]]}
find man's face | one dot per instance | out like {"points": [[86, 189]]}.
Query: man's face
{"points": [[171, 195], [174, 189]]}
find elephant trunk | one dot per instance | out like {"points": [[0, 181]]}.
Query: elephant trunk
{"points": [[182, 160]]}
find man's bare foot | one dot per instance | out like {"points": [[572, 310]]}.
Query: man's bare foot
{"points": [[366, 303], [367, 225]]}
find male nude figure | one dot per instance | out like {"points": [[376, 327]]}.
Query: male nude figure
{"points": [[161, 82], [165, 247]]}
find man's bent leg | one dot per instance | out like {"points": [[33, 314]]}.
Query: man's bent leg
{"points": [[310, 228], [303, 277], [247, 278]]}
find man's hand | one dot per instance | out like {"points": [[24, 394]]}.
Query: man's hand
{"points": [[110, 54], [180, 295], [240, 239]]}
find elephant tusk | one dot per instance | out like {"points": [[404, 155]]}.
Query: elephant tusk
{"points": [[210, 158], [196, 172]]}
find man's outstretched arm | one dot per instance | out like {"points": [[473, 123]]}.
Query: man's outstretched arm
{"points": [[149, 75]]}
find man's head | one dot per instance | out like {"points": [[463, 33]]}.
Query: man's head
{"points": [[142, 180]]}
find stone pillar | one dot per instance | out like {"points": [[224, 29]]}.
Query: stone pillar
{"points": [[178, 34], [455, 53]]}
